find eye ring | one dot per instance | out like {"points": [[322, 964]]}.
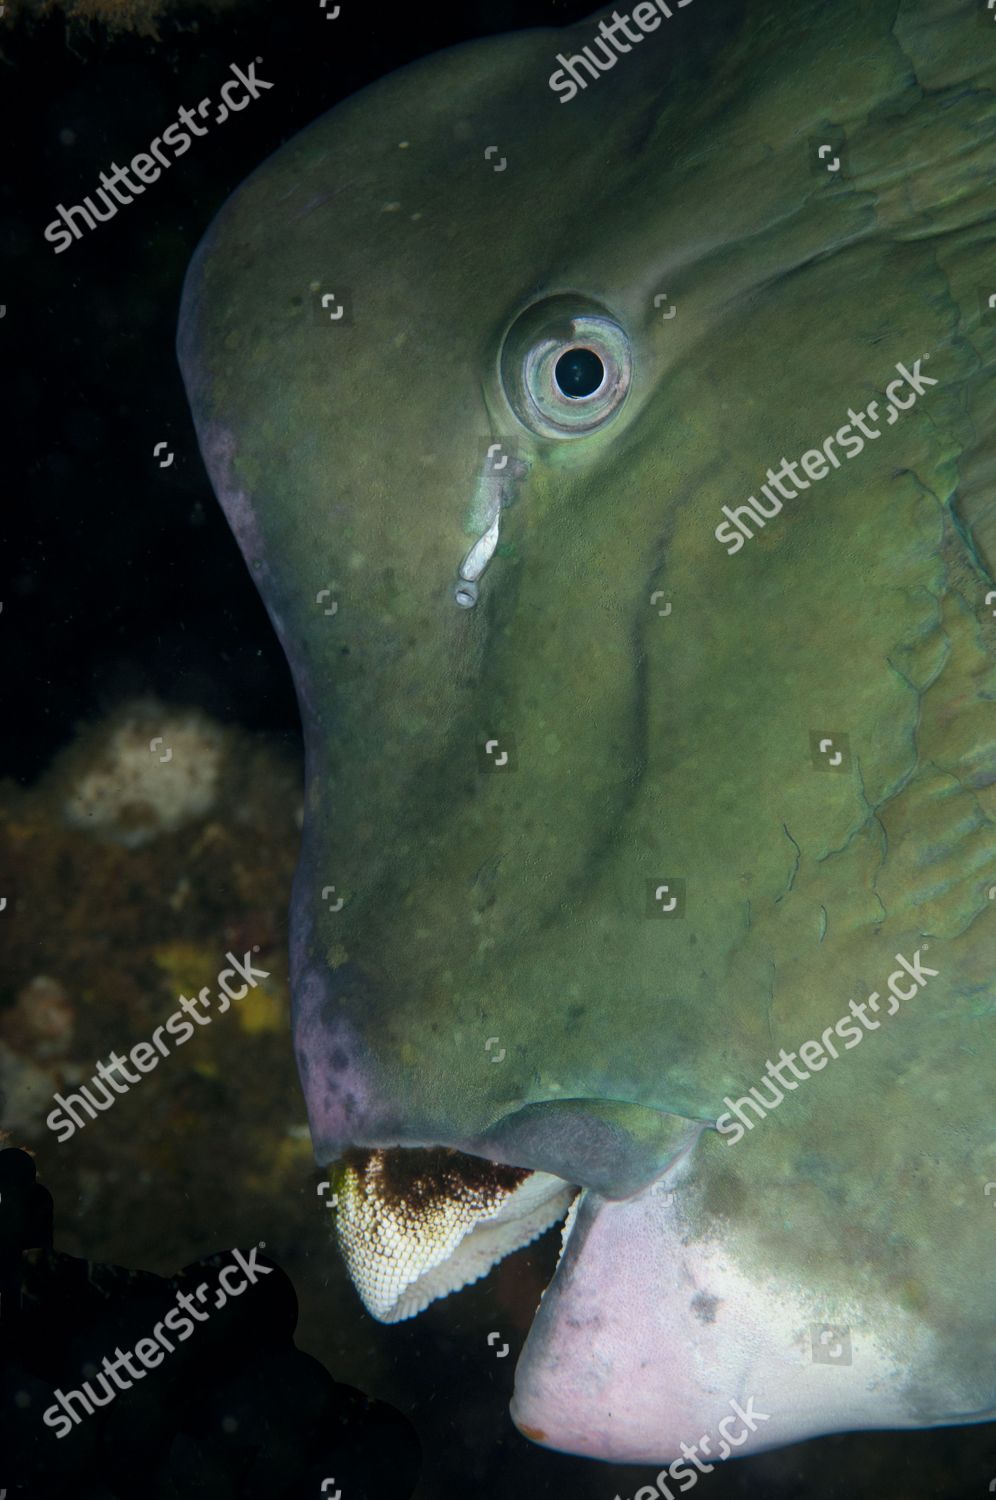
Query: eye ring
{"points": [[546, 347]]}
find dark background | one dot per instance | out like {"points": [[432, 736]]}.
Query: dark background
{"points": [[119, 579]]}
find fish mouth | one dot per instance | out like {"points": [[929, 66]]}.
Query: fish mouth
{"points": [[416, 1224]]}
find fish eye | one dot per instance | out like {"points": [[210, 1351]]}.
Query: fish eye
{"points": [[566, 366]]}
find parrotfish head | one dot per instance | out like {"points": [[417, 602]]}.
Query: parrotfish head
{"points": [[608, 812]]}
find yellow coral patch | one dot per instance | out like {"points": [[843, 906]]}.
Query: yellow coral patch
{"points": [[261, 1011], [188, 967]]}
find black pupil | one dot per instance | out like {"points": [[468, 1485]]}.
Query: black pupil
{"points": [[579, 372]]}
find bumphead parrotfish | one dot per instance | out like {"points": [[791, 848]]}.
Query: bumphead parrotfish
{"points": [[607, 419]]}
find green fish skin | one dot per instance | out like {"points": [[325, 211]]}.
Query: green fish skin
{"points": [[500, 789]]}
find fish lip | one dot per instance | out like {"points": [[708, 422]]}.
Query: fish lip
{"points": [[425, 1203], [615, 1148], [331, 1160]]}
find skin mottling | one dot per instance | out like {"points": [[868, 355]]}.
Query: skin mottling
{"points": [[338, 1089], [704, 1307], [218, 447]]}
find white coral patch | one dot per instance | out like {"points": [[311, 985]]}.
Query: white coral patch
{"points": [[153, 771]]}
